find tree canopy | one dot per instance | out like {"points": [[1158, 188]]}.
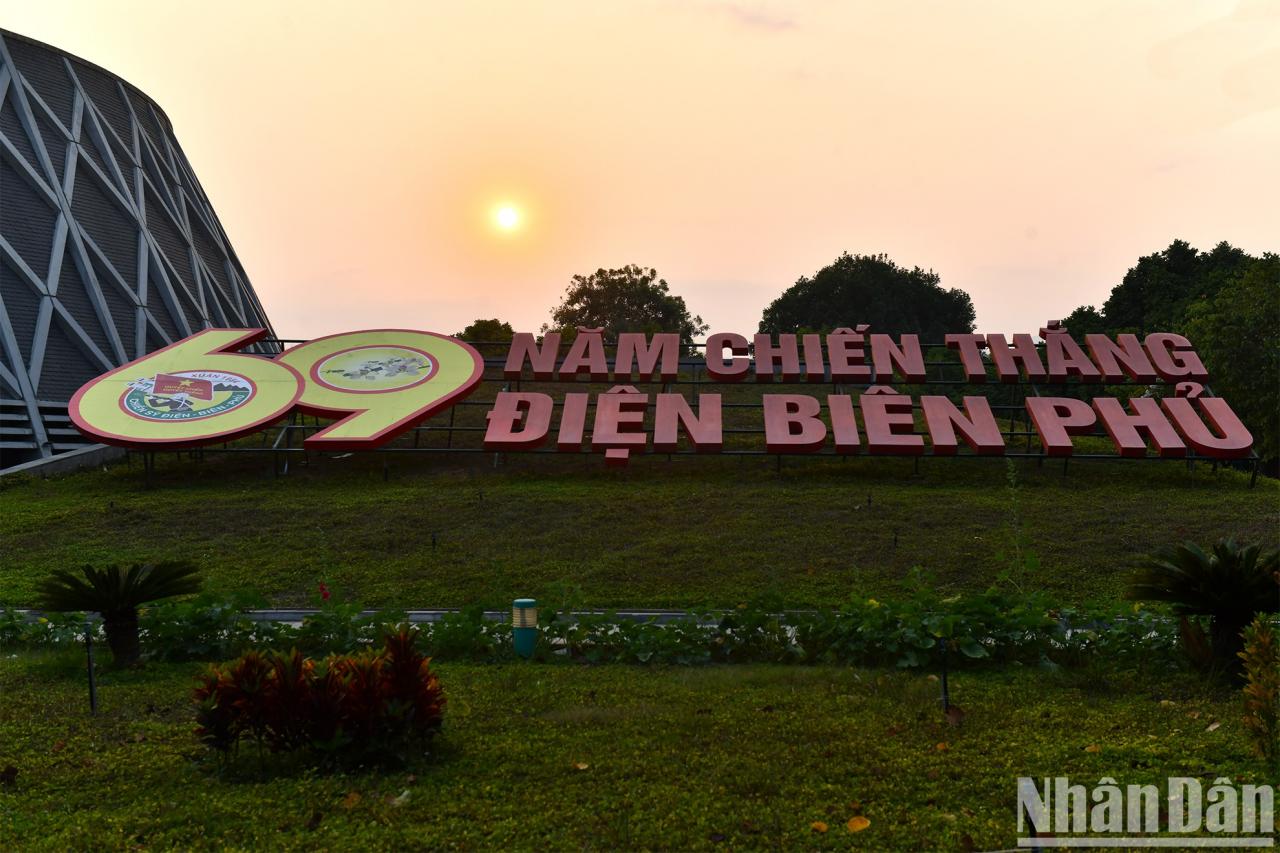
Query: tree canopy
{"points": [[1085, 320], [629, 299], [493, 333], [1157, 292], [870, 289]]}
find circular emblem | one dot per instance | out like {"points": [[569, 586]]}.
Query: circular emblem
{"points": [[374, 369], [186, 395]]}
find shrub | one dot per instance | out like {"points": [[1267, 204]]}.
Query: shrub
{"points": [[209, 627], [117, 596], [57, 629], [342, 626], [1261, 657], [1229, 585], [467, 635], [914, 631], [370, 705]]}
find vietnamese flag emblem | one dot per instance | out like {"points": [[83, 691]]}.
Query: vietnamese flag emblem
{"points": [[169, 385]]}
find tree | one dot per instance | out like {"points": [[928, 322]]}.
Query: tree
{"points": [[492, 334], [117, 595], [1085, 320], [1237, 334], [1227, 303], [1230, 584], [630, 299], [870, 289]]}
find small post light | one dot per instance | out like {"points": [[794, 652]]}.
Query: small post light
{"points": [[88, 651], [524, 625], [946, 692]]}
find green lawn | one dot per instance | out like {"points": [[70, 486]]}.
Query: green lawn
{"points": [[564, 756], [445, 531]]}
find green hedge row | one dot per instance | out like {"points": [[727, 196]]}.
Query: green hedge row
{"points": [[914, 631]]}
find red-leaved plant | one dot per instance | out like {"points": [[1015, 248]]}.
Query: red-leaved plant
{"points": [[367, 705]]}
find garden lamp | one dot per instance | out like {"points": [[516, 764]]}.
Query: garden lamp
{"points": [[524, 625]]}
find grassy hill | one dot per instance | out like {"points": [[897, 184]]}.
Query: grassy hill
{"points": [[449, 531]]}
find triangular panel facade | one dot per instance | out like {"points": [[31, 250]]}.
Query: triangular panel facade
{"points": [[96, 201]]}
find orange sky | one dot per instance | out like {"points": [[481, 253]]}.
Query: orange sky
{"points": [[1028, 152]]}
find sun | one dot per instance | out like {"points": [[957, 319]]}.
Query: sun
{"points": [[506, 217]]}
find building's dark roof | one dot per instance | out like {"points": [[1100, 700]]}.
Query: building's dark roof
{"points": [[10, 36]]}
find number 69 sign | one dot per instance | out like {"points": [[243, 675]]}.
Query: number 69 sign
{"points": [[376, 383]]}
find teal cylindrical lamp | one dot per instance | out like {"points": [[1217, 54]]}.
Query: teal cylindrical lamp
{"points": [[524, 626]]}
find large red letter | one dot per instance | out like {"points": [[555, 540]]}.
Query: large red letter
{"points": [[542, 359], [1057, 419], [1007, 358], [735, 368], [1174, 357], [970, 349], [705, 430], [976, 424], [844, 426], [1233, 440], [573, 423], [847, 357], [1067, 359], [1127, 430], [1119, 358], [769, 357], [586, 355], [518, 421], [889, 422], [792, 423], [620, 420], [887, 356], [663, 349]]}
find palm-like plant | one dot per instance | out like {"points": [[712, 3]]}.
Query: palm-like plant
{"points": [[1229, 585], [117, 595]]}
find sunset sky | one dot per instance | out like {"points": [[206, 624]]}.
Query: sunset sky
{"points": [[358, 154]]}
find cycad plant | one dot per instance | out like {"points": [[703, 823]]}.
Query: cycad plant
{"points": [[117, 595], [1230, 585]]}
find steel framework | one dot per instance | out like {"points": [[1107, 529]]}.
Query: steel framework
{"points": [[109, 247]]}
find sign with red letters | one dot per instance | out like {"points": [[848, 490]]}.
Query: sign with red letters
{"points": [[377, 384]]}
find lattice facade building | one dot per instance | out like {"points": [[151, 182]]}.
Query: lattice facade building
{"points": [[109, 248]]}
